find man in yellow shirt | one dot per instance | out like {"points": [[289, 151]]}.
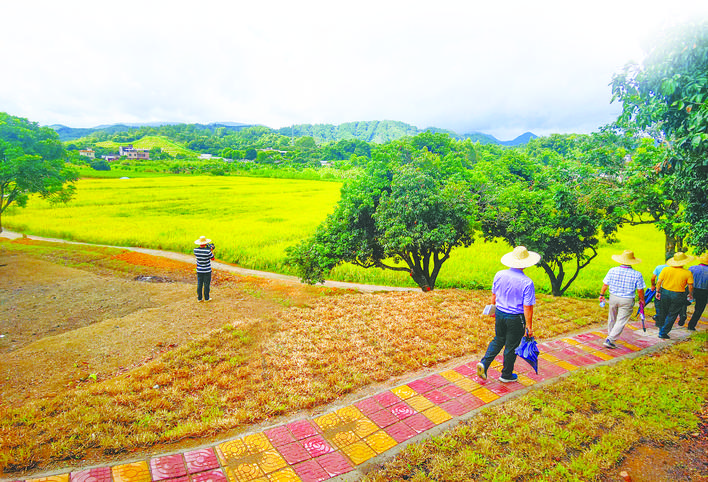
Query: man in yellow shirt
{"points": [[671, 290]]}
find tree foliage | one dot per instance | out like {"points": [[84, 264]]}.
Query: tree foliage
{"points": [[666, 97], [407, 213], [31, 162]]}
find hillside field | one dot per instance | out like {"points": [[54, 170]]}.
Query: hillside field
{"points": [[253, 220]]}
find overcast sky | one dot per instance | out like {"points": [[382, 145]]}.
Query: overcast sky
{"points": [[501, 67]]}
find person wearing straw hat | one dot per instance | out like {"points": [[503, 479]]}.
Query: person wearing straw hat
{"points": [[622, 281], [204, 252], [514, 296], [700, 289], [671, 290]]}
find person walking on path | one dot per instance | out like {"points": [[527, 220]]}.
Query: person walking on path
{"points": [[659, 316], [671, 290], [700, 289], [514, 296], [622, 281], [204, 253]]}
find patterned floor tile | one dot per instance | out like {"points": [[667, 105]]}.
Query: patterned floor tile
{"points": [[302, 429], [467, 385], [335, 464], [231, 451], [437, 397], [380, 442], [246, 471], [359, 452], [328, 421], [383, 418], [400, 432], [51, 478], [420, 386], [571, 341], [526, 380], [369, 405], [100, 474], [471, 401], [402, 410], [257, 443], [271, 461], [316, 446], [455, 408], [294, 453], [465, 370], [311, 471], [453, 391], [210, 476], [549, 357], [419, 403], [404, 392], [566, 365], [437, 415], [279, 436], [201, 460], [387, 398], [344, 438], [436, 380], [135, 472], [451, 375], [603, 355], [168, 467], [485, 395], [419, 422], [349, 414], [285, 475], [364, 427], [501, 389]]}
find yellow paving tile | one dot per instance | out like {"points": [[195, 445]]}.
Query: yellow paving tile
{"points": [[349, 414], [328, 421], [495, 364], [485, 395], [51, 478], [600, 334], [451, 375], [419, 403], [342, 439], [628, 345], [270, 461], [588, 348], [571, 341], [526, 381], [257, 442], [549, 357], [380, 441], [231, 451], [358, 452], [437, 415], [365, 427], [602, 355], [404, 392], [135, 472], [631, 327], [285, 475], [467, 385], [566, 365], [247, 471]]}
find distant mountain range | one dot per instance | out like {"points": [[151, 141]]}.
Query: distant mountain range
{"points": [[368, 131]]}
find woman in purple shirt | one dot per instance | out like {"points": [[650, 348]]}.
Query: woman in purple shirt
{"points": [[514, 295]]}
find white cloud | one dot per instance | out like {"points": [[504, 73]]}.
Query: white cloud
{"points": [[502, 68]]}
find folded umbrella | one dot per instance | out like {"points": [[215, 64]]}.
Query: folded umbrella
{"points": [[648, 298], [640, 312], [528, 350]]}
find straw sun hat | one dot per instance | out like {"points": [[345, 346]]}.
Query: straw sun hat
{"points": [[680, 259], [202, 240], [520, 258], [703, 258], [626, 258]]}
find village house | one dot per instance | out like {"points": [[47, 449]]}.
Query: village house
{"points": [[131, 153], [90, 153]]}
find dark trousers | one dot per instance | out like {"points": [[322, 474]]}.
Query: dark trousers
{"points": [[672, 304], [508, 332], [203, 282], [700, 296]]}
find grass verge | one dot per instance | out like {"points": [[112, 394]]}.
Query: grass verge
{"points": [[574, 429]]}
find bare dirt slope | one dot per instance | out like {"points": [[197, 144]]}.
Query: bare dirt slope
{"points": [[62, 326]]}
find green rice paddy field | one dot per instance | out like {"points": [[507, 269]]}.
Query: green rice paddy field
{"points": [[253, 220]]}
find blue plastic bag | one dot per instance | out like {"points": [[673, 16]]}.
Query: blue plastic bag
{"points": [[528, 350]]}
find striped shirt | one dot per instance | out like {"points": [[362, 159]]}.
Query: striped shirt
{"points": [[204, 257], [624, 281]]}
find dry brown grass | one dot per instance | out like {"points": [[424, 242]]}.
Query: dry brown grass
{"points": [[309, 347]]}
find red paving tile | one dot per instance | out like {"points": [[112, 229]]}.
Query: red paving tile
{"points": [[311, 471], [316, 446], [437, 380], [100, 474], [302, 429], [455, 408], [419, 423], [201, 460], [420, 386], [168, 467], [294, 453], [437, 397], [210, 476], [279, 436], [400, 432], [369, 405], [453, 391], [387, 398], [402, 410], [335, 464], [383, 418], [465, 370], [471, 401]]}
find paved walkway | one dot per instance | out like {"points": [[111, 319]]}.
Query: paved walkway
{"points": [[343, 442]]}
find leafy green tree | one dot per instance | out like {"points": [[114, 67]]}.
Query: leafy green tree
{"points": [[251, 154], [401, 216], [560, 211], [667, 97], [31, 161]]}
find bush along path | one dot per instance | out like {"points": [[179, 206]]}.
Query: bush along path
{"points": [[345, 442]]}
